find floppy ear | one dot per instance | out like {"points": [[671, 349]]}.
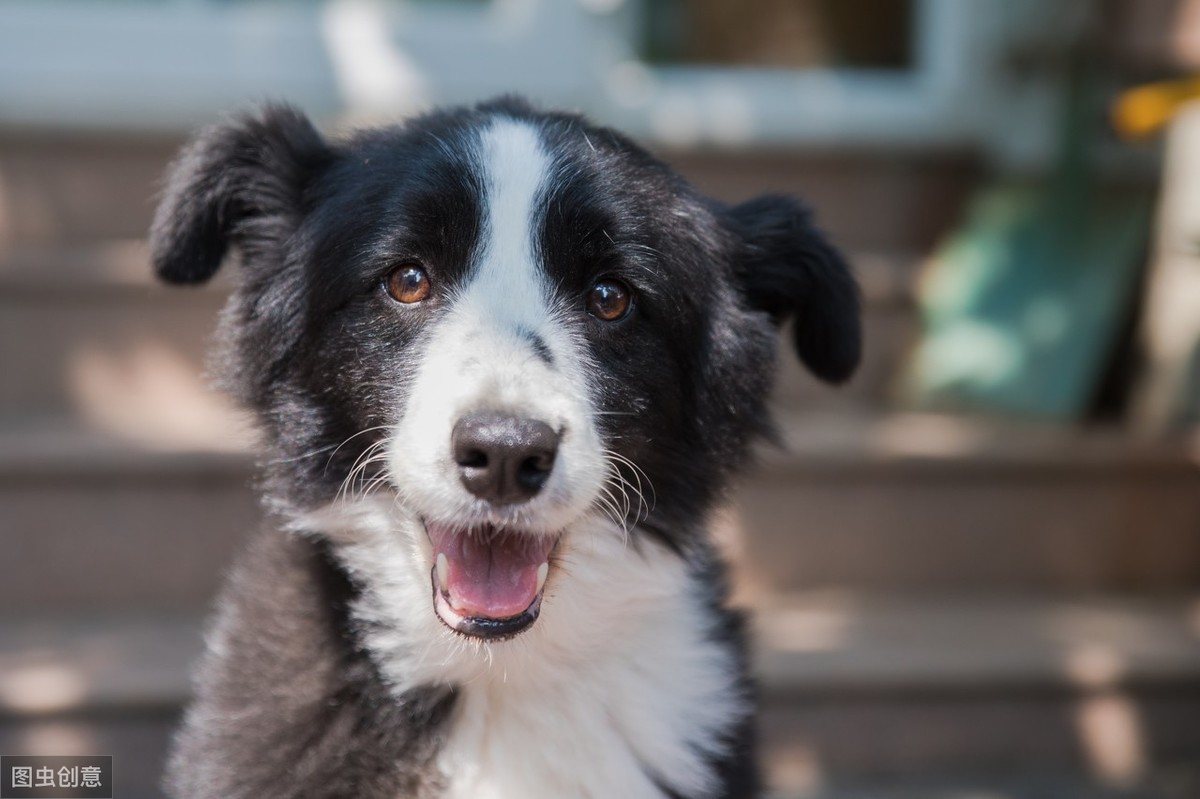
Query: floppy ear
{"points": [[241, 182], [788, 269]]}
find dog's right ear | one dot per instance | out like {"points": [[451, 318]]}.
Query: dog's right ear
{"points": [[789, 269], [240, 183]]}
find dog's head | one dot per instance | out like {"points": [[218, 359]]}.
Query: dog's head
{"points": [[510, 321]]}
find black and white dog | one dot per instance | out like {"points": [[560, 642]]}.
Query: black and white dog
{"points": [[505, 363]]}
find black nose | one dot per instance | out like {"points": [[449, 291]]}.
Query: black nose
{"points": [[501, 458]]}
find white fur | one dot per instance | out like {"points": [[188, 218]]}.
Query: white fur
{"points": [[478, 359], [616, 680], [617, 683]]}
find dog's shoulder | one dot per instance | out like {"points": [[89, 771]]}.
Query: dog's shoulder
{"points": [[287, 703]]}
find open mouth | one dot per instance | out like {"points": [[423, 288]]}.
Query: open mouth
{"points": [[487, 583]]}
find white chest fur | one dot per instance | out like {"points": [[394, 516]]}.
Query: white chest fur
{"points": [[646, 708], [617, 684]]}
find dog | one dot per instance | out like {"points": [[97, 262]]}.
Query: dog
{"points": [[505, 363]]}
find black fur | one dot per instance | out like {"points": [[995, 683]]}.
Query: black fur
{"points": [[790, 270], [303, 711], [290, 705]]}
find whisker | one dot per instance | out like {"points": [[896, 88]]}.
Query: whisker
{"points": [[305, 455], [374, 454], [351, 438], [639, 475], [608, 505]]}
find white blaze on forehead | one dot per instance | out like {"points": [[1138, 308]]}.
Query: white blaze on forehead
{"points": [[502, 342], [515, 167]]}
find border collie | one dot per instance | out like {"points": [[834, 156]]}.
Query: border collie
{"points": [[505, 364]]}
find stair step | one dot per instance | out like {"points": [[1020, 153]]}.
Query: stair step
{"points": [[890, 327], [926, 696], [96, 521], [1172, 784], [1103, 691], [865, 200], [924, 502], [811, 647], [61, 187], [136, 740], [96, 663], [891, 503], [93, 335], [835, 642]]}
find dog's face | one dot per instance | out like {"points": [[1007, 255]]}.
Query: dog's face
{"points": [[514, 323]]}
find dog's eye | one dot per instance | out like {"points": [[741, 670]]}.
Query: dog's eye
{"points": [[407, 284], [609, 300]]}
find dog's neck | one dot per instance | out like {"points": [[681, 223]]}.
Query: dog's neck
{"points": [[620, 688]]}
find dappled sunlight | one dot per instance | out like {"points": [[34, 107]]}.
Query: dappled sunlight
{"points": [[1111, 732], [1186, 39], [1193, 447], [57, 738], [729, 534], [1193, 618], [152, 396], [795, 771], [926, 435], [122, 261], [50, 666], [5, 213], [1102, 643], [1093, 666], [40, 687], [1170, 330], [821, 624]]}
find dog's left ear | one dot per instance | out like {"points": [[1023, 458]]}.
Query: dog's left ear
{"points": [[788, 269], [239, 183]]}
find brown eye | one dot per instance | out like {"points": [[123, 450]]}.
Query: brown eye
{"points": [[408, 284], [609, 300]]}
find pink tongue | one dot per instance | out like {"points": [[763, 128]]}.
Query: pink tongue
{"points": [[491, 575]]}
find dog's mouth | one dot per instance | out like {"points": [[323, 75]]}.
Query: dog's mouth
{"points": [[488, 582]]}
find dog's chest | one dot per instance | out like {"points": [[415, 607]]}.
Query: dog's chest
{"points": [[553, 744], [615, 729], [619, 693], [620, 689]]}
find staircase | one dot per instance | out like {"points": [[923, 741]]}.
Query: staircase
{"points": [[947, 609]]}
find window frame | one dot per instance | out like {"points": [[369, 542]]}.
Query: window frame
{"points": [[124, 65]]}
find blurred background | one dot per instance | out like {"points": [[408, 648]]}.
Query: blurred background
{"points": [[976, 568]]}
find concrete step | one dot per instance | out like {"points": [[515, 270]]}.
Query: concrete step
{"points": [[65, 189], [92, 335], [890, 327], [942, 503], [62, 189], [882, 688], [1179, 784], [97, 684], [149, 510], [937, 697], [91, 520], [136, 740]]}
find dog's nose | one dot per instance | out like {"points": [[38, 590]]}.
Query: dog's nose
{"points": [[503, 459]]}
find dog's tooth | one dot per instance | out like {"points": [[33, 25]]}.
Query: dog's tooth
{"points": [[443, 572], [543, 570]]}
